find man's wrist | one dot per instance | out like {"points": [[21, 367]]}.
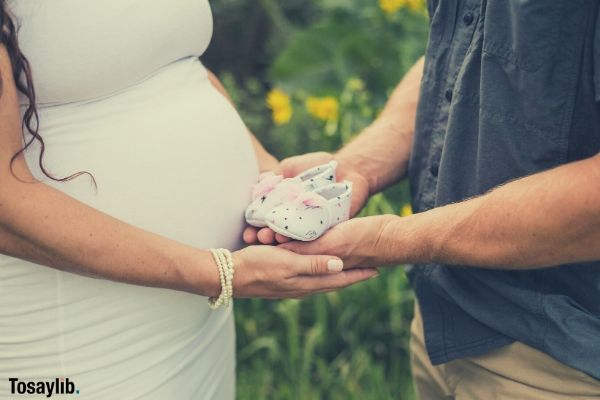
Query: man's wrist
{"points": [[355, 164], [368, 154], [406, 240]]}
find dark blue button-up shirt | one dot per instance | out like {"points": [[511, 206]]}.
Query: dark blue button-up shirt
{"points": [[510, 88]]}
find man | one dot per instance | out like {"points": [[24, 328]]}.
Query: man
{"points": [[500, 143]]}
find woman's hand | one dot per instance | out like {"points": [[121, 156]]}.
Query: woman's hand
{"points": [[291, 167], [273, 273]]}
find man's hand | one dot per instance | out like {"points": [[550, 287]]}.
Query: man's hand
{"points": [[291, 167], [359, 242]]}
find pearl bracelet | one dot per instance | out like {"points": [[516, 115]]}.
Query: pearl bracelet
{"points": [[224, 262]]}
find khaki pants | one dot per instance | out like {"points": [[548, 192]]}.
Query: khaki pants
{"points": [[514, 372]]}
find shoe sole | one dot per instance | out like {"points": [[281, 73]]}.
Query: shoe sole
{"points": [[257, 223]]}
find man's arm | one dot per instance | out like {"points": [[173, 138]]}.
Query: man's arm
{"points": [[545, 219], [381, 152]]}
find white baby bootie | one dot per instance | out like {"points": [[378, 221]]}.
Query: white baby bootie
{"points": [[312, 213], [272, 190]]}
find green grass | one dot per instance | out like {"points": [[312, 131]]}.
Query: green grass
{"points": [[351, 344]]}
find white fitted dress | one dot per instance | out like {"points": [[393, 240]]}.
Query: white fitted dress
{"points": [[123, 95]]}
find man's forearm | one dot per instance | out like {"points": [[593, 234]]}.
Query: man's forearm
{"points": [[546, 219], [382, 151]]}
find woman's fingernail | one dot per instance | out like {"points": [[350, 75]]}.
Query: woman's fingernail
{"points": [[334, 265]]}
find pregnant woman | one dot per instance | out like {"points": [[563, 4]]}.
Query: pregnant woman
{"points": [[109, 287]]}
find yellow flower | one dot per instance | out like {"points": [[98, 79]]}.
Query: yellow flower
{"points": [[325, 108], [279, 103], [406, 210], [416, 5], [282, 116], [391, 6]]}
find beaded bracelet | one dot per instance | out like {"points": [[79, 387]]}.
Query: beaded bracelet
{"points": [[224, 262]]}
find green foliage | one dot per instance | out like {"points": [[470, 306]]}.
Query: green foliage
{"points": [[352, 39], [351, 344], [345, 345]]}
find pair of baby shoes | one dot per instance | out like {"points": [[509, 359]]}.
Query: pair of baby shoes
{"points": [[303, 207]]}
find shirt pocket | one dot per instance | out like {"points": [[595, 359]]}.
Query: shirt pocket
{"points": [[524, 33], [531, 55]]}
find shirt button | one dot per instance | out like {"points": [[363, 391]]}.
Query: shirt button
{"points": [[434, 169], [449, 95], [468, 18]]}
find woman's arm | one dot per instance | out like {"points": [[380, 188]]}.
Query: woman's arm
{"points": [[266, 162], [43, 225]]}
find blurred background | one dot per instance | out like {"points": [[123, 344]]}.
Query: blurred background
{"points": [[307, 75]]}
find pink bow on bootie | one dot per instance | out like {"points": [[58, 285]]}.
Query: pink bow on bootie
{"points": [[266, 183], [310, 200]]}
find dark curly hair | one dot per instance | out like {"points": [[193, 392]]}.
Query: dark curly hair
{"points": [[24, 83]]}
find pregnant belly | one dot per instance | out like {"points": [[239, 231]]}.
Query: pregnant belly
{"points": [[171, 156]]}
